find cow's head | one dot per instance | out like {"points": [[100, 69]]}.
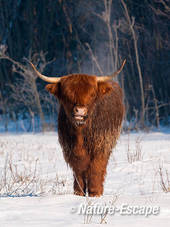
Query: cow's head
{"points": [[77, 93]]}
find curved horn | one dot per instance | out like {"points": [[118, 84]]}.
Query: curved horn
{"points": [[106, 78], [45, 78]]}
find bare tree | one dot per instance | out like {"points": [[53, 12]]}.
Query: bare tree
{"points": [[3, 111], [131, 23], [112, 45], [25, 90]]}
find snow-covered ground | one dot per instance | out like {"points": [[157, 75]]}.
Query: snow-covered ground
{"points": [[36, 186]]}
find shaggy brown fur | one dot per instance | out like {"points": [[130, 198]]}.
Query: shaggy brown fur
{"points": [[87, 146]]}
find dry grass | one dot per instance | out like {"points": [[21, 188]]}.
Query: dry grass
{"points": [[164, 179], [102, 217], [22, 172], [135, 154], [23, 181], [17, 181]]}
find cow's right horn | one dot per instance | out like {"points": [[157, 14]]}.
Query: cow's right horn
{"points": [[45, 78]]}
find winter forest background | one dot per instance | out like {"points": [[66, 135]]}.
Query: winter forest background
{"points": [[94, 37]]}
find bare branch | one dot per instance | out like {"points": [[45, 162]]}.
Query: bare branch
{"points": [[94, 58]]}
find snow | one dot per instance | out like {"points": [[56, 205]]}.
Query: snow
{"points": [[36, 185]]}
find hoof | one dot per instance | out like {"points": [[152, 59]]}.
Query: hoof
{"points": [[79, 193]]}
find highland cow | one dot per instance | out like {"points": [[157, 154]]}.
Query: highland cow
{"points": [[89, 123]]}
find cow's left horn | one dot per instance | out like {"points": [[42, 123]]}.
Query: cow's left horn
{"points": [[45, 78], [107, 78]]}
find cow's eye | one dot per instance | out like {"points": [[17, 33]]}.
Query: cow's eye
{"points": [[93, 95]]}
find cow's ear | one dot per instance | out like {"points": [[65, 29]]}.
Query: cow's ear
{"points": [[104, 88], [53, 88]]}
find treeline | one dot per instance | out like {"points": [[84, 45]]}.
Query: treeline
{"points": [[94, 37]]}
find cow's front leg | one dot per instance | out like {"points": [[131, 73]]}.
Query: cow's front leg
{"points": [[80, 166], [96, 175], [79, 184]]}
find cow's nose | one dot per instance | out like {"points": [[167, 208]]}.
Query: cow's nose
{"points": [[79, 110]]}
